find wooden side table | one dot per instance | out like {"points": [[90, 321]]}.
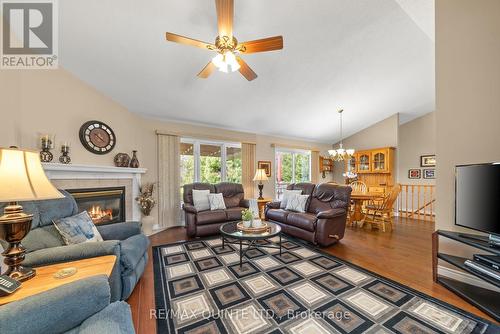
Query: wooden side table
{"points": [[45, 280], [261, 203]]}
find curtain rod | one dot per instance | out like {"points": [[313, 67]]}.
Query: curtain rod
{"points": [[198, 136], [298, 147]]}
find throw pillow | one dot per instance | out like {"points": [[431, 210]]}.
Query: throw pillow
{"points": [[297, 203], [77, 229], [286, 196], [200, 200], [216, 202]]}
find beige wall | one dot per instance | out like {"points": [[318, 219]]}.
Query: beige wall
{"points": [[416, 138], [34, 102], [381, 134], [468, 92]]}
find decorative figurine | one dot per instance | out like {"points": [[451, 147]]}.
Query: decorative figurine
{"points": [[64, 158], [122, 160]]}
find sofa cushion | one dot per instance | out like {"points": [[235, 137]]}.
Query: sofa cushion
{"points": [[304, 221], [216, 202], [278, 215], [200, 199], [287, 194], [188, 190], [116, 318], [43, 237], [132, 250], [233, 214], [233, 193], [77, 229], [209, 217]]}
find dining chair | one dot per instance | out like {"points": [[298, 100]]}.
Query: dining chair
{"points": [[359, 187], [381, 213]]}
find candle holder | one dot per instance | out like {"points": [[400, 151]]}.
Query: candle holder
{"points": [[65, 158], [47, 143]]}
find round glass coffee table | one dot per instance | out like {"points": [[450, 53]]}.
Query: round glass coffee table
{"points": [[232, 235]]}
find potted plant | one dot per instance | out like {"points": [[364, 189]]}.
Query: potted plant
{"points": [[147, 202], [247, 217]]}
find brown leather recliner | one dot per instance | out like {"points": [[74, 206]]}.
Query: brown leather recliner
{"points": [[324, 221], [203, 223]]}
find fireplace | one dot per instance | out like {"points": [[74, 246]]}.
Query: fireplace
{"points": [[104, 205]]}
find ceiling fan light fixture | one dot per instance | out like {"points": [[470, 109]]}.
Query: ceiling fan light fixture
{"points": [[226, 62]]}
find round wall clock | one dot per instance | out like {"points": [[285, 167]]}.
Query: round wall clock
{"points": [[97, 137]]}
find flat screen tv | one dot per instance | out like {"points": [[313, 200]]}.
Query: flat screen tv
{"points": [[477, 197]]}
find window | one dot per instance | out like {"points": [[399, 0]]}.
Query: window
{"points": [[292, 166], [210, 161]]}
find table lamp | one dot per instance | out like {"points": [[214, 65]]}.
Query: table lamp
{"points": [[260, 175], [22, 178]]}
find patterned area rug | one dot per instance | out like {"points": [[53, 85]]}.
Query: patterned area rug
{"points": [[200, 288]]}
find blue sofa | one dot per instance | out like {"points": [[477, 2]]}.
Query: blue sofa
{"points": [[69, 308], [45, 246]]}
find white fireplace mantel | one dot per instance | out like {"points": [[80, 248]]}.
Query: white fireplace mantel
{"points": [[57, 171]]}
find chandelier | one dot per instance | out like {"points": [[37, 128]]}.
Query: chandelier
{"points": [[341, 154]]}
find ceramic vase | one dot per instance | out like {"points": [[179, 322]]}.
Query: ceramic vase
{"points": [[134, 162]]}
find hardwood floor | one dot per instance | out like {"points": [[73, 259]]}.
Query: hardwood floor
{"points": [[403, 255]]}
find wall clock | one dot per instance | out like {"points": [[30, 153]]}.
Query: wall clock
{"points": [[97, 137]]}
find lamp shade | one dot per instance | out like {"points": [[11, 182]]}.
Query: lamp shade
{"points": [[22, 177], [260, 175]]}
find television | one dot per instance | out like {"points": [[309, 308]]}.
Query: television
{"points": [[477, 198]]}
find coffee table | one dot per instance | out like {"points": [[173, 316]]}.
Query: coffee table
{"points": [[231, 235]]}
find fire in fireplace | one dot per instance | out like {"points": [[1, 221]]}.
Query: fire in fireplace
{"points": [[104, 205]]}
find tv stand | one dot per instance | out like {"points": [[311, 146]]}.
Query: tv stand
{"points": [[484, 299]]}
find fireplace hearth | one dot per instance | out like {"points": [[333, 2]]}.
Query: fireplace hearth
{"points": [[104, 205]]}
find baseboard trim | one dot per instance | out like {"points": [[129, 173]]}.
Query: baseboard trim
{"points": [[465, 277]]}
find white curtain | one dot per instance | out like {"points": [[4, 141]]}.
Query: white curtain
{"points": [[248, 168], [315, 167], [169, 180]]}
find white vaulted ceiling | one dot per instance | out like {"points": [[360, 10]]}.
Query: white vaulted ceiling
{"points": [[373, 58]]}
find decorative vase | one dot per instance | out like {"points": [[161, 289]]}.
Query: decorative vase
{"points": [[134, 162], [247, 223], [147, 224], [256, 223]]}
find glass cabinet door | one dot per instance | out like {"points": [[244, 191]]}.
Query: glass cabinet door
{"points": [[351, 165], [379, 159], [364, 162]]}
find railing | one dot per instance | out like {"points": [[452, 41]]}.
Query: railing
{"points": [[280, 186], [417, 201]]}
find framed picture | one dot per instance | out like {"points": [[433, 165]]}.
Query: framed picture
{"points": [[428, 160], [414, 174], [265, 165], [429, 173]]}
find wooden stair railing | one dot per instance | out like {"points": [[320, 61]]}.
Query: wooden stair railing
{"points": [[417, 201]]}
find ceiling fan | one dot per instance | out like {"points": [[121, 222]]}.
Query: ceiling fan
{"points": [[227, 46]]}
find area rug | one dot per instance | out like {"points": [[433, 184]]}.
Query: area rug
{"points": [[201, 288]]}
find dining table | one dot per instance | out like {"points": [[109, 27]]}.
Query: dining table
{"points": [[358, 198]]}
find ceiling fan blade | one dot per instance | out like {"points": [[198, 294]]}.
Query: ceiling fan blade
{"points": [[188, 41], [245, 70], [207, 70], [225, 14], [262, 45]]}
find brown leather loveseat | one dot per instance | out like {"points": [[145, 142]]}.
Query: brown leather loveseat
{"points": [[207, 222], [324, 221]]}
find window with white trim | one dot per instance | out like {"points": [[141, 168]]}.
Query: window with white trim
{"points": [[292, 166], [209, 161]]}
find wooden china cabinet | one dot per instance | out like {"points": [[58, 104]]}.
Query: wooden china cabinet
{"points": [[375, 167]]}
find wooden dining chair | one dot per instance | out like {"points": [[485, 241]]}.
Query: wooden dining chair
{"points": [[359, 187], [381, 213]]}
